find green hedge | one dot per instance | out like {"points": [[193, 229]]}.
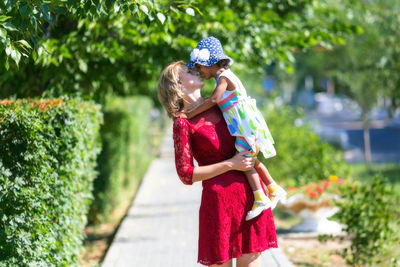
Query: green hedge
{"points": [[48, 151], [126, 155], [302, 156]]}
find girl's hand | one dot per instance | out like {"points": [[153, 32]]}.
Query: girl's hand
{"points": [[181, 114], [241, 163]]}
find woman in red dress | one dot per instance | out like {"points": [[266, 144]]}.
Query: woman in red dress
{"points": [[224, 233]]}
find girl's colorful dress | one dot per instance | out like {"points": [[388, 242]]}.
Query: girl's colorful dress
{"points": [[244, 120], [223, 231]]}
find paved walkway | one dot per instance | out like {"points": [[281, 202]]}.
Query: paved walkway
{"points": [[161, 227]]}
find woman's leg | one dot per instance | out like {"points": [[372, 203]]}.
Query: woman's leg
{"points": [[226, 264], [249, 260]]}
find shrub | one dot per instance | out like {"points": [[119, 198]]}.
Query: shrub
{"points": [[126, 155], [370, 213], [302, 157], [48, 156]]}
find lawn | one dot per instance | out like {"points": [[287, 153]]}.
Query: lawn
{"points": [[391, 171]]}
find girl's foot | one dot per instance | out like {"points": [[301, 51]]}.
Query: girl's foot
{"points": [[257, 208], [261, 202], [276, 194]]}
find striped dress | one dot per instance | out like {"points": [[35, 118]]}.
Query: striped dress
{"points": [[244, 120]]}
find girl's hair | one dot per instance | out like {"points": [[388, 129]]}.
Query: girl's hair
{"points": [[223, 63], [169, 90]]}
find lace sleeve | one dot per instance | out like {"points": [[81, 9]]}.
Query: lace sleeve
{"points": [[183, 154]]}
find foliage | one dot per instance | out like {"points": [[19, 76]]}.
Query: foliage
{"points": [[24, 23], [302, 157], [122, 52], [48, 156], [367, 67], [126, 154], [369, 212]]}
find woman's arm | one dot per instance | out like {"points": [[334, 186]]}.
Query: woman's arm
{"points": [[187, 172], [238, 162]]}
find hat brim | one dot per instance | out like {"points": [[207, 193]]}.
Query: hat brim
{"points": [[192, 63]]}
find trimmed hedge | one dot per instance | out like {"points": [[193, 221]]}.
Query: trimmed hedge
{"points": [[302, 157], [48, 151], [127, 152]]}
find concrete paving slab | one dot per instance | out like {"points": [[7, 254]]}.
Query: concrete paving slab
{"points": [[161, 226]]}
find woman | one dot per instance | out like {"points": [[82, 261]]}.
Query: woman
{"points": [[223, 232]]}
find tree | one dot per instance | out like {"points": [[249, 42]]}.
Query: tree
{"points": [[367, 67], [23, 22], [123, 52]]}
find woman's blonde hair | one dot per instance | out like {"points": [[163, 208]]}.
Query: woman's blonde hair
{"points": [[169, 90]]}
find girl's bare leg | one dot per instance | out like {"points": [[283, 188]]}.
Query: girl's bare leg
{"points": [[253, 179], [226, 264], [275, 192], [263, 172], [261, 201], [249, 260]]}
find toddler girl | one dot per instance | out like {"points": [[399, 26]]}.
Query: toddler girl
{"points": [[243, 118]]}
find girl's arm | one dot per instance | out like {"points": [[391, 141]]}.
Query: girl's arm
{"points": [[222, 85], [238, 162]]}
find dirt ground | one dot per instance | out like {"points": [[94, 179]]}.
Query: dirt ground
{"points": [[311, 252], [304, 249], [96, 244]]}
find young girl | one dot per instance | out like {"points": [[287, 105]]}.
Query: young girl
{"points": [[243, 118]]}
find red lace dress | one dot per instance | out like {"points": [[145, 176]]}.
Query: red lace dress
{"points": [[226, 198]]}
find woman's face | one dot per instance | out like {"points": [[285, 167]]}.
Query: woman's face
{"points": [[190, 79]]}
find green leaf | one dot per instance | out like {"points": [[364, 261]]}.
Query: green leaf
{"points": [[34, 55], [46, 12], [25, 44], [190, 11], [24, 11], [7, 64], [144, 9], [9, 26], [4, 18], [8, 50], [83, 66], [3, 33], [15, 55], [359, 30], [161, 17]]}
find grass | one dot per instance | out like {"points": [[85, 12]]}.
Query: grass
{"points": [[390, 171]]}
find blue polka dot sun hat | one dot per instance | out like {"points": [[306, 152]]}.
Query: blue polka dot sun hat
{"points": [[207, 52]]}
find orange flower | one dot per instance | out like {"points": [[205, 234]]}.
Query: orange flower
{"points": [[313, 194], [5, 102], [319, 189], [333, 178], [326, 183], [291, 188]]}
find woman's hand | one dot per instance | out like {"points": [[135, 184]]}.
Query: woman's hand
{"points": [[241, 163]]}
